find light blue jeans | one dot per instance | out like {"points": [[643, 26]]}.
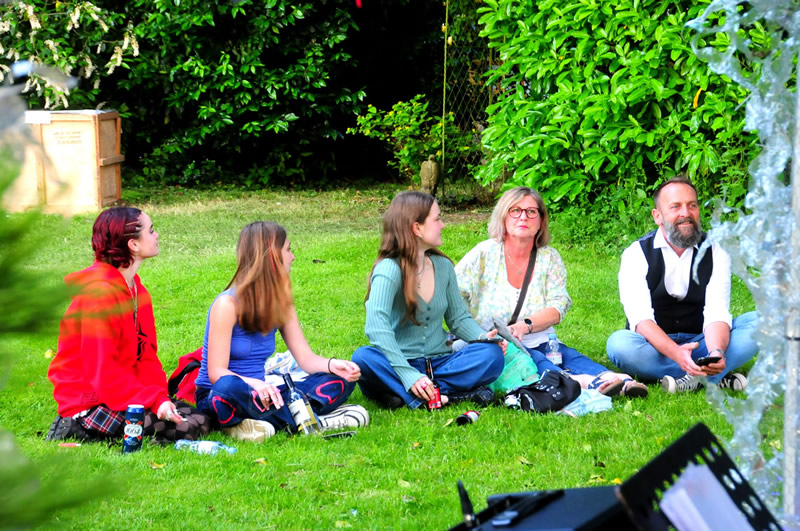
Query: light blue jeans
{"points": [[633, 354]]}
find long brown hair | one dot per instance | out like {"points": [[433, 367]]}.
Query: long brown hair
{"points": [[399, 242], [262, 285]]}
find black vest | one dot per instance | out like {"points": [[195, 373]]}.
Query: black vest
{"points": [[674, 315]]}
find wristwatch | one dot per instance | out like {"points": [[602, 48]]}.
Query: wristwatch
{"points": [[721, 353], [530, 325]]}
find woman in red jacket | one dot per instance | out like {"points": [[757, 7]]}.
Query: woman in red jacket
{"points": [[106, 357]]}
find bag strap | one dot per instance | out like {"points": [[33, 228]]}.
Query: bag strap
{"points": [[174, 383], [524, 289]]}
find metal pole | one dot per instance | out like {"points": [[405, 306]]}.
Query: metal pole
{"points": [[443, 165], [791, 489]]}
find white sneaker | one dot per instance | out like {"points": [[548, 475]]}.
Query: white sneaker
{"points": [[684, 383], [734, 380], [346, 416], [251, 430]]}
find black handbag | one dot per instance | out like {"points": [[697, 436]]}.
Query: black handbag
{"points": [[551, 393]]}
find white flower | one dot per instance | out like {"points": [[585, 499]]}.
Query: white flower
{"points": [[34, 22], [75, 16]]}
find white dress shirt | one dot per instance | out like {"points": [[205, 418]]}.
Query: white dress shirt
{"points": [[635, 295]]}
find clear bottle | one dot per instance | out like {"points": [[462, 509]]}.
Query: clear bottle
{"points": [[300, 408], [203, 447], [553, 353], [436, 401]]}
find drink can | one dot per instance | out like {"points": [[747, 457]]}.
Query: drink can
{"points": [[468, 417], [134, 428], [436, 401]]}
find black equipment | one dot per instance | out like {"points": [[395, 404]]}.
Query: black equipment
{"points": [[632, 505]]}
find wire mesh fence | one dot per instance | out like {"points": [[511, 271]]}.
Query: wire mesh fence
{"points": [[465, 95]]}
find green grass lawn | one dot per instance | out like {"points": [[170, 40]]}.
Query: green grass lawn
{"points": [[398, 473]]}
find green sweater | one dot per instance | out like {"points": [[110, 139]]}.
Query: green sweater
{"points": [[401, 340]]}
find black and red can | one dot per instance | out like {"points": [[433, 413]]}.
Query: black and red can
{"points": [[468, 417]]}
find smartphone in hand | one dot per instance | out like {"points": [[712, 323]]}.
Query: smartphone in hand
{"points": [[495, 339], [706, 360]]}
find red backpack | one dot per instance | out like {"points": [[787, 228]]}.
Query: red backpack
{"points": [[181, 383]]}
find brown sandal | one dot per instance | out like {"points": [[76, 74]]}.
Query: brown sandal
{"points": [[633, 389], [612, 387]]}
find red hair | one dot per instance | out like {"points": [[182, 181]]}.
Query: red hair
{"points": [[112, 231]]}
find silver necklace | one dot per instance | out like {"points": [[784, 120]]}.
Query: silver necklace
{"points": [[511, 262], [135, 293], [420, 272]]}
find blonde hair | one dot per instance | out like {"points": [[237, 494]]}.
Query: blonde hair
{"points": [[497, 223], [399, 242], [263, 289]]}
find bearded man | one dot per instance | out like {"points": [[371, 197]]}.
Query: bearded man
{"points": [[680, 330]]}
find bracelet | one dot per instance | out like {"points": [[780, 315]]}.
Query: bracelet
{"points": [[329, 365], [721, 353]]}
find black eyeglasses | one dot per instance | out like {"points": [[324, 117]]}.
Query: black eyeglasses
{"points": [[516, 212]]}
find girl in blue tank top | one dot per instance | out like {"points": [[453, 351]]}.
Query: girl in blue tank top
{"points": [[240, 336]]}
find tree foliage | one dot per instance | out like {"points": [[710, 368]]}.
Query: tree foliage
{"points": [[30, 306], [412, 134], [204, 87], [596, 96]]}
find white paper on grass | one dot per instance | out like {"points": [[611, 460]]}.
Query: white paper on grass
{"points": [[699, 502]]}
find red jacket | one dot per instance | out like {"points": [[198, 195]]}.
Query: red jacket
{"points": [[101, 359]]}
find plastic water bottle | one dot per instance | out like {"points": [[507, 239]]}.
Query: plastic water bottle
{"points": [[203, 447], [553, 353]]}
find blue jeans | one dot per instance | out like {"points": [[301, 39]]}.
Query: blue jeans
{"points": [[571, 361], [473, 366], [231, 400], [632, 353]]}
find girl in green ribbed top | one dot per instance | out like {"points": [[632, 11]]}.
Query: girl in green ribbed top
{"points": [[412, 290]]}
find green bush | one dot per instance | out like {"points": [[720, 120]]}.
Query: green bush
{"points": [[412, 133], [218, 88], [595, 95]]}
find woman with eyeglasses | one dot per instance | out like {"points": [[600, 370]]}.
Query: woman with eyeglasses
{"points": [[412, 289], [491, 276]]}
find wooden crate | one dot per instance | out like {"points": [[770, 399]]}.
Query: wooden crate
{"points": [[75, 168]]}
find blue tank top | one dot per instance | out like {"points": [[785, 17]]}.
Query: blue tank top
{"points": [[249, 351]]}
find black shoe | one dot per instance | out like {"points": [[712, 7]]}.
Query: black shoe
{"points": [[385, 398], [390, 401], [483, 396], [381, 394], [66, 428]]}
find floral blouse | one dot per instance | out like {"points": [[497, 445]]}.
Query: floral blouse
{"points": [[483, 282]]}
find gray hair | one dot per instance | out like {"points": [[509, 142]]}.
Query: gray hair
{"points": [[497, 223]]}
